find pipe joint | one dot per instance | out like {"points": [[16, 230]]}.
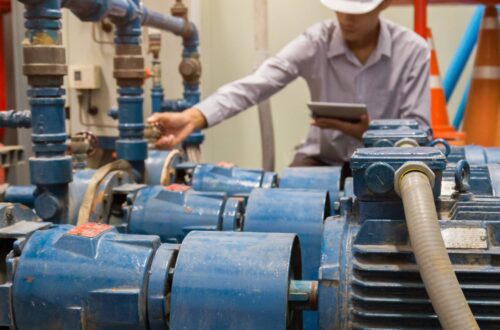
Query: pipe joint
{"points": [[412, 167]]}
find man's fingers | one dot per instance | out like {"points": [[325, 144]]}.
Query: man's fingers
{"points": [[153, 118], [166, 142]]}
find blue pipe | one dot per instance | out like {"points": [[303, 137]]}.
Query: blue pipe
{"points": [[459, 116], [15, 119], [131, 145], [463, 53], [191, 95], [124, 11], [50, 168], [21, 194], [157, 95]]}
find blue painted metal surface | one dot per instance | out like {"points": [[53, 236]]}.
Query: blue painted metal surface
{"points": [[475, 155], [320, 178], [304, 214], [15, 119], [131, 145], [20, 194], [172, 213], [463, 53], [91, 276], [55, 280], [233, 181], [391, 124], [157, 96], [50, 169], [368, 276], [250, 290], [372, 202], [123, 11], [389, 137], [156, 167]]}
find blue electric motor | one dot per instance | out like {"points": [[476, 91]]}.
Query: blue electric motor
{"points": [[92, 277], [368, 274], [172, 212]]}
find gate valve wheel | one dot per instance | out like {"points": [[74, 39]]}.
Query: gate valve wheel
{"points": [[92, 141]]}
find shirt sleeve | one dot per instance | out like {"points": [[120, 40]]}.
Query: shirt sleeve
{"points": [[272, 76], [416, 104]]}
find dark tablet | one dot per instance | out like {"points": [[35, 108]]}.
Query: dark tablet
{"points": [[344, 111]]}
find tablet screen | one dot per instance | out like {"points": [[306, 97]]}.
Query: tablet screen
{"points": [[344, 111]]}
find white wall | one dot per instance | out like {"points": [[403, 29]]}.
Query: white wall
{"points": [[228, 54]]}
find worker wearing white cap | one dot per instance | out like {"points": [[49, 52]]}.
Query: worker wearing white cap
{"points": [[361, 58]]}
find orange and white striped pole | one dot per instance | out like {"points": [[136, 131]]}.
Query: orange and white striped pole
{"points": [[480, 120], [439, 114]]}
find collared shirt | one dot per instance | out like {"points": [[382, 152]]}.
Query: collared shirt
{"points": [[393, 83]]}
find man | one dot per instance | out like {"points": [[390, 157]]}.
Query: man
{"points": [[359, 59]]}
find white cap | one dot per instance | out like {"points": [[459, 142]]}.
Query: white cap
{"points": [[352, 6]]}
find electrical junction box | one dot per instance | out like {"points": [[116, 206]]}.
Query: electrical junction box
{"points": [[84, 76]]}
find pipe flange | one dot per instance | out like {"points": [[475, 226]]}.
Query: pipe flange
{"points": [[406, 143], [413, 167]]}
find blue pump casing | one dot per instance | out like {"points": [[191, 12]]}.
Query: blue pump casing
{"points": [[233, 181]]}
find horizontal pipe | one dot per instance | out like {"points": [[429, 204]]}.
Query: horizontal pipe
{"points": [[21, 194], [176, 25], [124, 11], [15, 119]]}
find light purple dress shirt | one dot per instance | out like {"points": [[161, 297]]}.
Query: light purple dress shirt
{"points": [[393, 83]]}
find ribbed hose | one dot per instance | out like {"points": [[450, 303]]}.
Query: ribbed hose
{"points": [[432, 257]]}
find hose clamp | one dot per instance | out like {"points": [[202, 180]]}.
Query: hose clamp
{"points": [[412, 167], [406, 143]]}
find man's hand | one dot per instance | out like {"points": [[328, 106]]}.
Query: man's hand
{"points": [[353, 129], [176, 126]]}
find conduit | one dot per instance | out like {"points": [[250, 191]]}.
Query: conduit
{"points": [[413, 182], [264, 108]]}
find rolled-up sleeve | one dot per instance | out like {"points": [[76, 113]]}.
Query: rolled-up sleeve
{"points": [[274, 74], [416, 100]]}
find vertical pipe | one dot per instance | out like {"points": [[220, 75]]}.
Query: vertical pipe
{"points": [[45, 67], [264, 108], [459, 116], [420, 17], [157, 94], [462, 54], [129, 73]]}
